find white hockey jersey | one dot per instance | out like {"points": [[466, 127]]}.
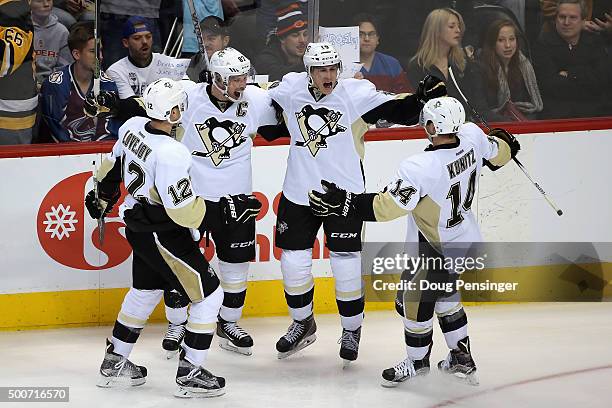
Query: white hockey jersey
{"points": [[438, 186], [326, 133], [155, 171], [220, 141], [132, 80]]}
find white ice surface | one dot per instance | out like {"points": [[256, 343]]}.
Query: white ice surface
{"points": [[528, 355]]}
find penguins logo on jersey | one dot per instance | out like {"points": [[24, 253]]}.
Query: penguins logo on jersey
{"points": [[316, 125], [219, 138]]}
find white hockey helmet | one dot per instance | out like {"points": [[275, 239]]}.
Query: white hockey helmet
{"points": [[161, 96], [321, 54], [446, 113], [227, 63]]}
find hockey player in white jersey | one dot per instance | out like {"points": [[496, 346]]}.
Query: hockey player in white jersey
{"points": [[133, 74], [219, 125], [161, 212], [436, 188], [327, 119], [217, 128]]}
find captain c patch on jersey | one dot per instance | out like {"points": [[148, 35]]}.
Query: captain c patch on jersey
{"points": [[219, 138], [316, 125]]}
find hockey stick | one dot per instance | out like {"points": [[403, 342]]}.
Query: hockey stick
{"points": [[198, 31], [517, 161], [96, 92], [170, 37]]}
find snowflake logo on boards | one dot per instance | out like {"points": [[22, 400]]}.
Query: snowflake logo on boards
{"points": [[60, 221]]}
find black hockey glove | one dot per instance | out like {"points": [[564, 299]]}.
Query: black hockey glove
{"points": [[239, 209], [507, 137], [335, 201], [106, 104], [430, 87], [103, 205], [205, 76]]}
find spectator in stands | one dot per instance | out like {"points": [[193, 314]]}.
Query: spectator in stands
{"points": [[50, 40], [114, 14], [69, 12], [64, 93], [216, 38], [204, 8], [510, 81], [134, 73], [383, 70], [440, 49], [573, 66], [285, 50], [18, 95]]}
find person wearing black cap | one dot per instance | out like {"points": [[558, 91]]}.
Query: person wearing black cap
{"points": [[134, 73], [285, 50], [216, 37]]}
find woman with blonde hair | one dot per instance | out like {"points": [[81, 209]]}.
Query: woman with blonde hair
{"points": [[510, 81], [439, 49]]}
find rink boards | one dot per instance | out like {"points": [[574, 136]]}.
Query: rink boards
{"points": [[54, 272]]}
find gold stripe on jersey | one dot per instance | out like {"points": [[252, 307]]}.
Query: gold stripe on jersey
{"points": [[3, 2], [17, 123], [105, 167], [131, 321], [427, 215], [300, 290], [385, 207], [188, 277], [359, 129], [503, 154], [154, 196], [190, 215]]}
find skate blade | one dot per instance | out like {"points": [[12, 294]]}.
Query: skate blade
{"points": [[346, 363], [170, 354], [115, 382], [390, 384], [183, 392], [225, 344], [469, 379], [301, 345]]}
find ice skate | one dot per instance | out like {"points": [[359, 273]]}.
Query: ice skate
{"points": [[234, 338], [404, 370], [118, 371], [173, 338], [300, 334], [459, 363], [197, 382], [349, 345]]}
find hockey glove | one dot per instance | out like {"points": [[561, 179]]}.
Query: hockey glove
{"points": [[106, 104], [335, 201], [507, 137], [430, 87], [239, 209], [98, 208]]}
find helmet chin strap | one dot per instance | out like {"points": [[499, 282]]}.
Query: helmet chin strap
{"points": [[224, 92]]}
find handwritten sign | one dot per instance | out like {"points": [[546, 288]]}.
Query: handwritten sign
{"points": [[344, 39], [171, 68]]}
